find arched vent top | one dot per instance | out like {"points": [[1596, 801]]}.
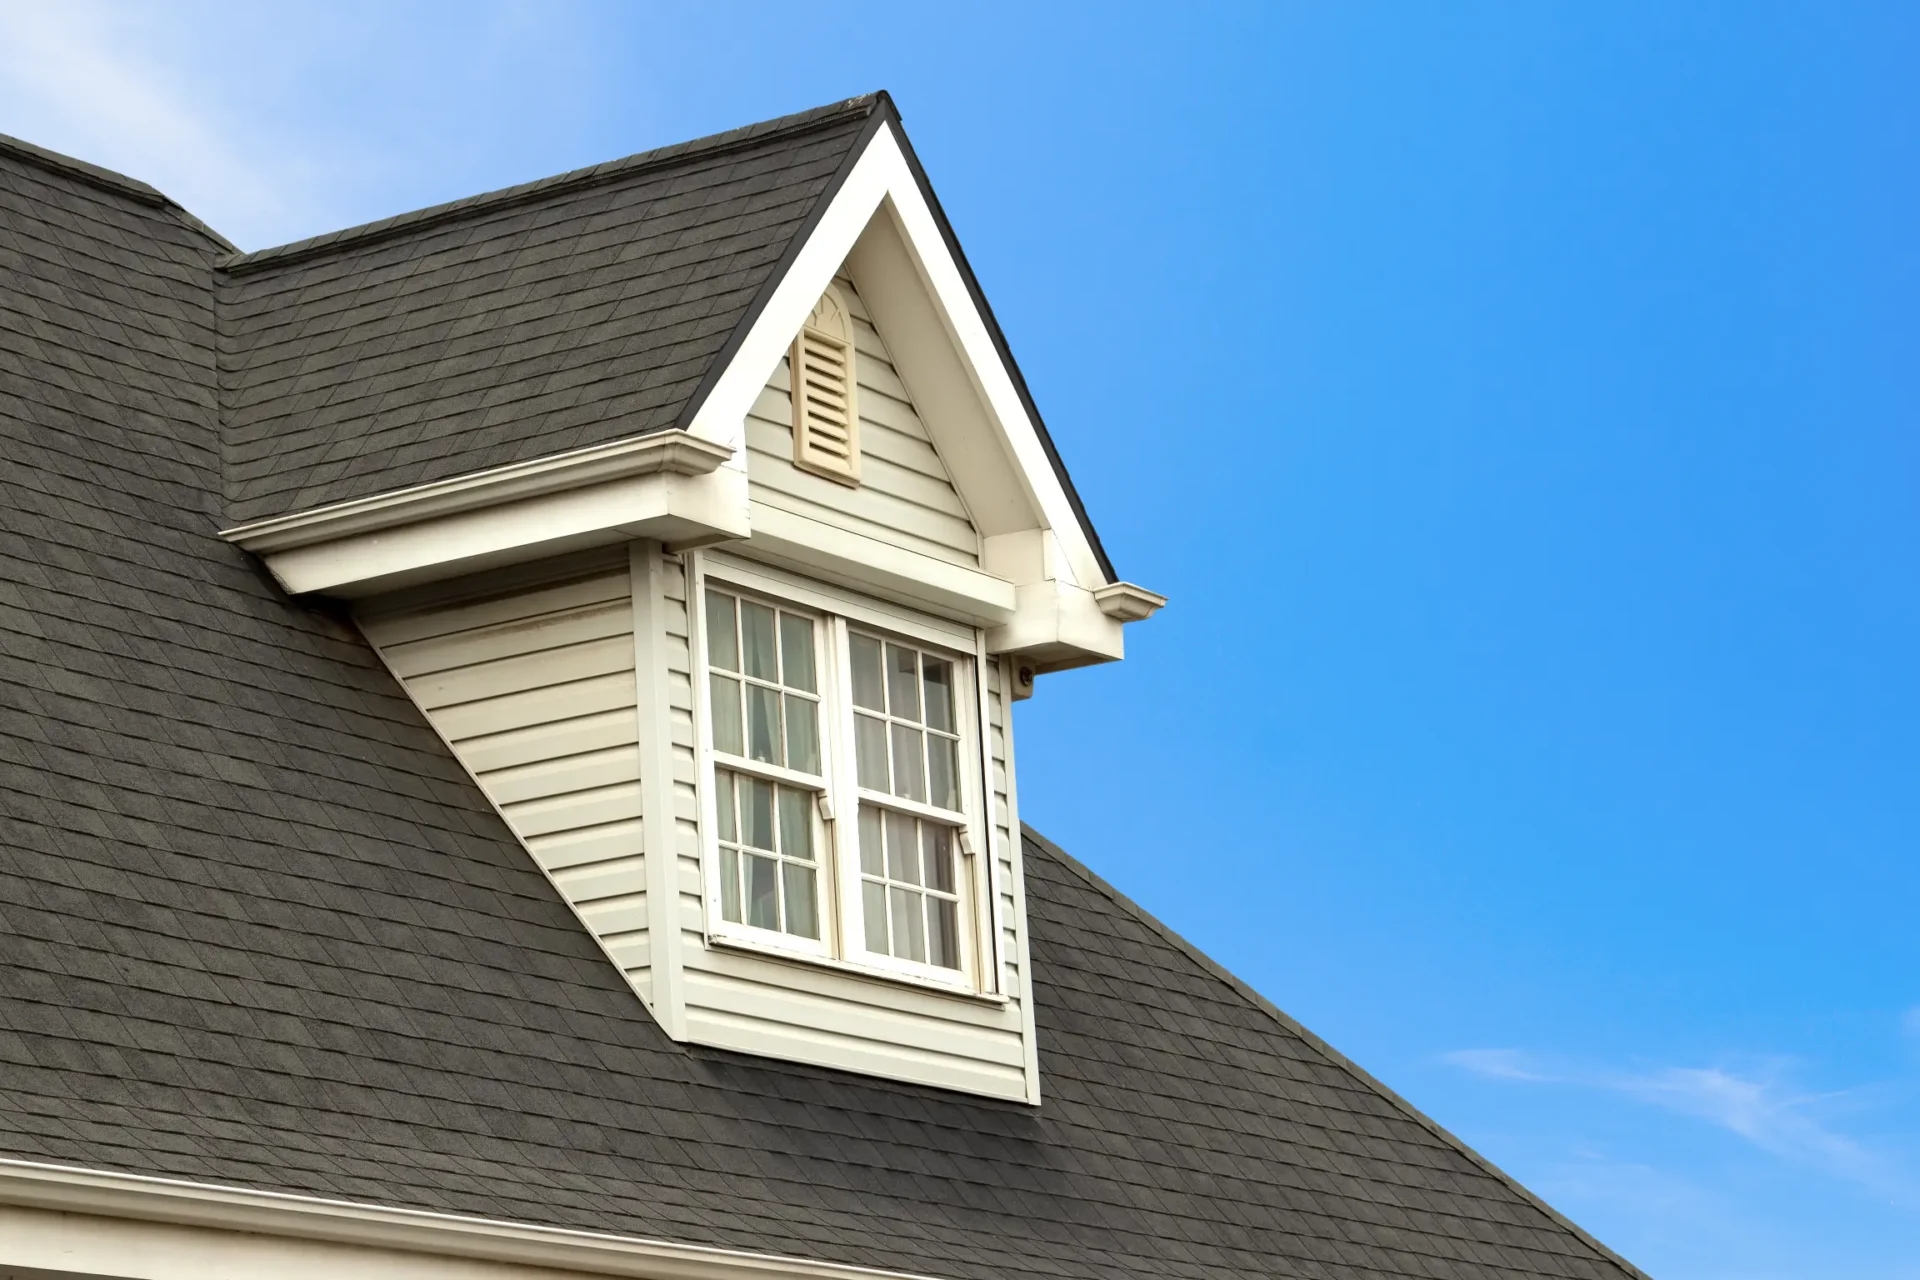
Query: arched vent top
{"points": [[826, 412]]}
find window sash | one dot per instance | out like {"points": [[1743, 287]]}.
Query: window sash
{"points": [[965, 822], [839, 903]]}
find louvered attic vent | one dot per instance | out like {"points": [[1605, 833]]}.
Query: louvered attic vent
{"points": [[826, 415]]}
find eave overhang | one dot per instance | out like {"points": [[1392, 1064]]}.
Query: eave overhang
{"points": [[668, 485], [242, 1218]]}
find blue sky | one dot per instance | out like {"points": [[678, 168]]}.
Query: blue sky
{"points": [[1518, 402]]}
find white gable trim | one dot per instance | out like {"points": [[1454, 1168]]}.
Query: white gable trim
{"points": [[882, 179], [231, 1232]]}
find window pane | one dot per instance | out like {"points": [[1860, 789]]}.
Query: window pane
{"points": [[909, 931], [936, 847], [724, 695], [938, 678], [763, 892], [722, 649], [756, 640], [873, 898], [873, 854], [943, 772], [796, 823], [801, 917], [803, 735], [763, 723], [756, 813], [903, 684], [943, 934], [723, 803], [870, 751], [909, 772], [730, 885], [867, 690], [903, 849], [796, 653]]}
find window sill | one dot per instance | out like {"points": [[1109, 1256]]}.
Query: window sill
{"points": [[872, 973]]}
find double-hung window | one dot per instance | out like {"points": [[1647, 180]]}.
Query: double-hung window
{"points": [[843, 757]]}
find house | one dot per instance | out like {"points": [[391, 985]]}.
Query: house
{"points": [[506, 770]]}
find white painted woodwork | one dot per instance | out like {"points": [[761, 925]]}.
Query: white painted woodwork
{"points": [[881, 229], [826, 413], [905, 495], [670, 485]]}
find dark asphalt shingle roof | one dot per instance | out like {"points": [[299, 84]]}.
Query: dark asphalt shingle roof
{"points": [[562, 314], [257, 927]]}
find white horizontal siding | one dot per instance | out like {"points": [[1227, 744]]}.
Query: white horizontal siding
{"points": [[905, 496], [534, 690], [758, 1005]]}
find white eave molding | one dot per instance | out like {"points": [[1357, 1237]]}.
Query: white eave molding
{"points": [[235, 1210], [666, 484], [1128, 602], [677, 452]]}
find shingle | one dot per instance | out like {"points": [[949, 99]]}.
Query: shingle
{"points": [[378, 359], [261, 930]]}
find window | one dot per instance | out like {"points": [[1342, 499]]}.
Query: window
{"points": [[826, 410], [906, 748], [764, 707], [845, 769]]}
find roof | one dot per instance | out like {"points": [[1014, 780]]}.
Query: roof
{"points": [[258, 928], [566, 313]]}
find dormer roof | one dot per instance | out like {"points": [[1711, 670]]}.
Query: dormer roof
{"points": [[593, 306]]}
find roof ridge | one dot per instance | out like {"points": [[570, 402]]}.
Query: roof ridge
{"points": [[105, 179], [86, 171], [574, 179], [1253, 997]]}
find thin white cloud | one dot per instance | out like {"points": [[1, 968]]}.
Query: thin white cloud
{"points": [[82, 77], [1757, 1105], [1494, 1064], [362, 110]]}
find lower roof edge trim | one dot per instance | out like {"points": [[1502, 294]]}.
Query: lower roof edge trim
{"points": [[73, 1189]]}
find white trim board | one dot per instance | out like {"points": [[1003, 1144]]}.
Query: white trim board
{"points": [[881, 180], [670, 485], [242, 1233]]}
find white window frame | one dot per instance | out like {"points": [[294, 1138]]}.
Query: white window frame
{"points": [[842, 925], [780, 775]]}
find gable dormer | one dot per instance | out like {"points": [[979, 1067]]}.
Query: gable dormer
{"points": [[742, 682]]}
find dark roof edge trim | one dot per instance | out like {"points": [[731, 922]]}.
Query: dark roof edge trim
{"points": [[1339, 1059], [91, 174], [611, 171], [795, 243], [107, 180], [1000, 344]]}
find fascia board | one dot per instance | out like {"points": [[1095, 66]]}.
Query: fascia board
{"points": [[948, 590], [279, 1214], [881, 178], [670, 485], [672, 452]]}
